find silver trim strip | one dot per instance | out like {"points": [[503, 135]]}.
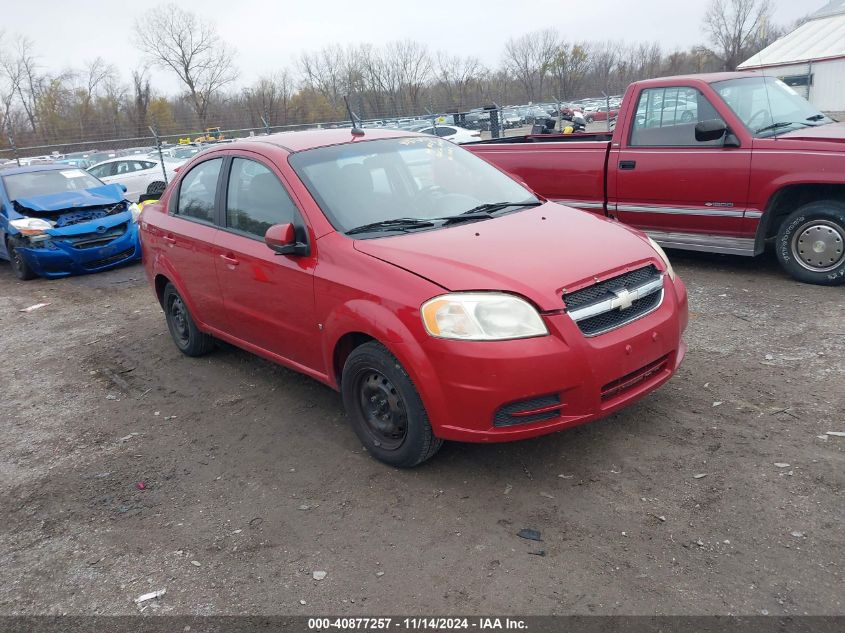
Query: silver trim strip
{"points": [[721, 212], [750, 213], [579, 204], [706, 243], [579, 314]]}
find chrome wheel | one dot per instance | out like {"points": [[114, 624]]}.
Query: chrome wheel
{"points": [[819, 245]]}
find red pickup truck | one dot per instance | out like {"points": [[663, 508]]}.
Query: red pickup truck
{"points": [[726, 162]]}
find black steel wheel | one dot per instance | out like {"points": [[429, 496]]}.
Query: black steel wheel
{"points": [[21, 269], [185, 333], [385, 408]]}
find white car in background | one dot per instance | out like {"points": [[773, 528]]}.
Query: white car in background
{"points": [[450, 133], [136, 173]]}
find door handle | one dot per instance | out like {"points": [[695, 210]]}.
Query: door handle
{"points": [[627, 165], [230, 259], [169, 239]]}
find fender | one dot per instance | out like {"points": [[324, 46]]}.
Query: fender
{"points": [[384, 325]]}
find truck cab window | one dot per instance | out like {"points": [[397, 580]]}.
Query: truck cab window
{"points": [[666, 117]]}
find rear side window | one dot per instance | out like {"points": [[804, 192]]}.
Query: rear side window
{"points": [[197, 191], [666, 117], [256, 200]]}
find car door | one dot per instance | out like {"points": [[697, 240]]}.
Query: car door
{"points": [[105, 172], [269, 298], [674, 187], [188, 233]]}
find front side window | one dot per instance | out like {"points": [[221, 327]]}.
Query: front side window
{"points": [[668, 116], [767, 106], [198, 189], [256, 200], [416, 178], [104, 170]]}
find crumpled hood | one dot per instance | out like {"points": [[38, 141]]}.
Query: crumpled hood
{"points": [[536, 253], [95, 197]]}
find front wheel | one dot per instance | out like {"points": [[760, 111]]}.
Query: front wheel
{"points": [[22, 270], [811, 243], [385, 408]]}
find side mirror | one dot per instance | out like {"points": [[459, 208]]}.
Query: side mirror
{"points": [[123, 187], [281, 238], [711, 130]]}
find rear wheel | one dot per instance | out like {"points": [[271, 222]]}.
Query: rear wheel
{"points": [[188, 338], [811, 243], [385, 408], [21, 269]]}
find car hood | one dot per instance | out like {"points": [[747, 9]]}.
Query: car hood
{"points": [[538, 253], [94, 197], [834, 132]]}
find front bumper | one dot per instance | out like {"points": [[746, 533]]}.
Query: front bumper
{"points": [[588, 378], [79, 249]]}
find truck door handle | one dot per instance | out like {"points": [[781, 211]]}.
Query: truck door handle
{"points": [[230, 259], [627, 165], [169, 239]]}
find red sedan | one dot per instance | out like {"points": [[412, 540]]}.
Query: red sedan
{"points": [[442, 298]]}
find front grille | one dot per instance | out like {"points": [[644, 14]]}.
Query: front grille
{"points": [[604, 289], [602, 307], [629, 381], [505, 416], [113, 259], [95, 240]]}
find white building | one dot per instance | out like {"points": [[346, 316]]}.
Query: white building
{"points": [[811, 59]]}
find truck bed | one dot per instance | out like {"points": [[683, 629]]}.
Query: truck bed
{"points": [[567, 168]]}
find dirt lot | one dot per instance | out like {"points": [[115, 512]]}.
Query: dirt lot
{"points": [[253, 480]]}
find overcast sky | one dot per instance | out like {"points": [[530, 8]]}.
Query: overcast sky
{"points": [[269, 34]]}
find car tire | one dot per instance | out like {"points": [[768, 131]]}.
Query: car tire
{"points": [[385, 409], [156, 187], [811, 243], [22, 270], [185, 333]]}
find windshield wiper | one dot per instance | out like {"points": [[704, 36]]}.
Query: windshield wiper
{"points": [[485, 211], [780, 124], [817, 117], [395, 224]]}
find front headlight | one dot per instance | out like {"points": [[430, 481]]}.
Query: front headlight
{"points": [[136, 212], [31, 226], [488, 316], [669, 270]]}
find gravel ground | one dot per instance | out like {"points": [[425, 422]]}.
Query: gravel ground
{"points": [[252, 480]]}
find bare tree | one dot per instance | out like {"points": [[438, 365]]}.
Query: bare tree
{"points": [[737, 27], [189, 46], [530, 58], [141, 94], [269, 99], [571, 64], [456, 74]]}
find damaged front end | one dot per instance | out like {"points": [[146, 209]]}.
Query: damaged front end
{"points": [[75, 235]]}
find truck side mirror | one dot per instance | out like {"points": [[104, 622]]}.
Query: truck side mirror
{"points": [[711, 130]]}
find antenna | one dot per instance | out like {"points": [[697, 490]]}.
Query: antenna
{"points": [[356, 121]]}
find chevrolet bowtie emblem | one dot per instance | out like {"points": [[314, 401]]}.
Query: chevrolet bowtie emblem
{"points": [[624, 299]]}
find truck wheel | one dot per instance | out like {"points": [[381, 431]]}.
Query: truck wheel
{"points": [[386, 411], [19, 266], [186, 335], [811, 243]]}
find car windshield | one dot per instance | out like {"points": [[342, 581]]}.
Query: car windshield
{"points": [[767, 106], [413, 178], [42, 183]]}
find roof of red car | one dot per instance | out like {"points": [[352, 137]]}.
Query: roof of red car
{"points": [[705, 77], [309, 139]]}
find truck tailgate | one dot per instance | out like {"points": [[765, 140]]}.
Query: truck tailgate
{"points": [[572, 173]]}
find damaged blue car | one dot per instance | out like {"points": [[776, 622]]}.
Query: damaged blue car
{"points": [[58, 220]]}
